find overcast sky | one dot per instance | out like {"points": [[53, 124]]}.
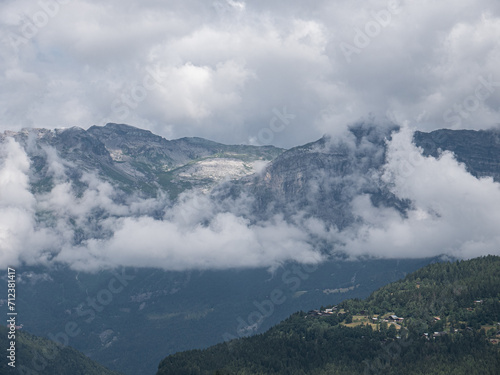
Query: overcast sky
{"points": [[281, 72]]}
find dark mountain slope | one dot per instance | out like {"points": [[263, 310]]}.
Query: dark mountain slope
{"points": [[36, 355]]}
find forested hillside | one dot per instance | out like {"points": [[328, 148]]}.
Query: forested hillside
{"points": [[442, 319], [39, 356]]}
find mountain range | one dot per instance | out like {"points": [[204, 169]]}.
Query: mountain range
{"points": [[335, 171], [285, 222]]}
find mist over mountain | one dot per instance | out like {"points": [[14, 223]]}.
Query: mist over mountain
{"points": [[121, 196], [167, 169], [209, 231]]}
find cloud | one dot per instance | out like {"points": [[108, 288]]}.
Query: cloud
{"points": [[452, 212], [20, 240], [227, 242], [97, 227], [225, 65], [88, 224]]}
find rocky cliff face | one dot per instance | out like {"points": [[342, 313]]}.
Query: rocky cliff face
{"points": [[478, 150], [318, 179], [322, 178], [137, 160]]}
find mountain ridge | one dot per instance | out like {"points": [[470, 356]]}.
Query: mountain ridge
{"points": [[308, 194], [136, 159]]}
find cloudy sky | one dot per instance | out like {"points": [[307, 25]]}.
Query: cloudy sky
{"points": [[255, 72], [249, 72]]}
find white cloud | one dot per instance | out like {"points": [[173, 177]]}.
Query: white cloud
{"points": [[452, 212], [227, 64], [97, 228], [228, 241], [19, 238]]}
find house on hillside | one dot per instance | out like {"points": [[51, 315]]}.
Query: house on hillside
{"points": [[395, 318]]}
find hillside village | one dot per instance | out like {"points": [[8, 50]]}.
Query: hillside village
{"points": [[390, 319]]}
